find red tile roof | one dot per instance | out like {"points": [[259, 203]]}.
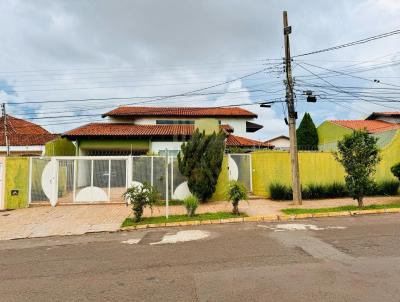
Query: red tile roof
{"points": [[371, 126], [132, 130], [387, 113], [239, 141], [24, 133], [126, 129], [180, 111]]}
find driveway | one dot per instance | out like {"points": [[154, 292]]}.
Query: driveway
{"points": [[62, 220]]}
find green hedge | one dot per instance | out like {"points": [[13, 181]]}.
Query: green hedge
{"points": [[334, 190]]}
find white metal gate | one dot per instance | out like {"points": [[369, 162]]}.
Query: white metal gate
{"points": [[240, 169], [95, 179]]}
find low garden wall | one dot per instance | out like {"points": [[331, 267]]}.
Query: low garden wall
{"points": [[16, 188]]}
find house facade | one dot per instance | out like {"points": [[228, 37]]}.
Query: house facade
{"points": [[142, 130], [382, 125], [281, 142], [24, 138]]}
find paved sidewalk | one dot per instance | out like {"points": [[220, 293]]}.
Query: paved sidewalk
{"points": [[80, 219]]}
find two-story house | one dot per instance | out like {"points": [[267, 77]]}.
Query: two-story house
{"points": [[141, 130]]}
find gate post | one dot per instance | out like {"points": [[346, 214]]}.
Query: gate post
{"points": [[30, 182], [129, 171], [54, 195], [251, 173]]}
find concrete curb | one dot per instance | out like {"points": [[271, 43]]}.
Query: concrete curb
{"points": [[266, 218]]}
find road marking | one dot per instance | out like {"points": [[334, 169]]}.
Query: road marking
{"points": [[132, 241], [312, 246], [298, 227], [183, 236]]}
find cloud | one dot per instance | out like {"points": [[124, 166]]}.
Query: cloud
{"points": [[61, 50]]}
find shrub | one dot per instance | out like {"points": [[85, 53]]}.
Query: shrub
{"points": [[396, 170], [386, 187], [140, 196], [200, 160], [280, 192], [191, 203], [314, 191], [237, 192], [335, 190]]}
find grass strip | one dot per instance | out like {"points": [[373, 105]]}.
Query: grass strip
{"points": [[179, 218], [293, 211]]}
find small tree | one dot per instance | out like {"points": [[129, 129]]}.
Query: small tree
{"points": [[200, 160], [237, 192], [396, 170], [140, 196], [307, 136], [191, 204], [359, 155]]}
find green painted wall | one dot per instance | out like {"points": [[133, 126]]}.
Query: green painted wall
{"points": [[221, 191], [17, 178], [315, 167], [114, 144], [60, 147], [328, 135], [208, 125]]}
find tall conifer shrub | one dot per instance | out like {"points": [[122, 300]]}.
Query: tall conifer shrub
{"points": [[200, 160], [307, 136]]}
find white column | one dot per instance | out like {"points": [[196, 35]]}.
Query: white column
{"points": [[166, 185], [129, 171], [109, 180], [54, 195], [75, 178], [30, 181], [251, 173]]}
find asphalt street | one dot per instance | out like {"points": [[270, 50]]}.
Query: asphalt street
{"points": [[329, 259]]}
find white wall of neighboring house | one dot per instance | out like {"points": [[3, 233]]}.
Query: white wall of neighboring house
{"points": [[22, 148], [280, 143]]}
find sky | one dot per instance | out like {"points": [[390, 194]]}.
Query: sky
{"points": [[58, 56]]}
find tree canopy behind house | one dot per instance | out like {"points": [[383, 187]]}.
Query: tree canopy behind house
{"points": [[307, 136], [200, 160]]}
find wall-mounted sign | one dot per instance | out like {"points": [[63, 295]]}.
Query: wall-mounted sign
{"points": [[14, 192]]}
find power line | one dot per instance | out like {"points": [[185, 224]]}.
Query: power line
{"points": [[357, 42], [141, 68], [353, 76], [344, 91]]}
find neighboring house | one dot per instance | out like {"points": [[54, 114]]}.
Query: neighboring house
{"points": [[25, 138], [281, 142], [390, 117], [383, 125], [141, 130]]}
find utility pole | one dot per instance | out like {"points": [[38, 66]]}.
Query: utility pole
{"points": [[292, 115], [3, 111]]}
